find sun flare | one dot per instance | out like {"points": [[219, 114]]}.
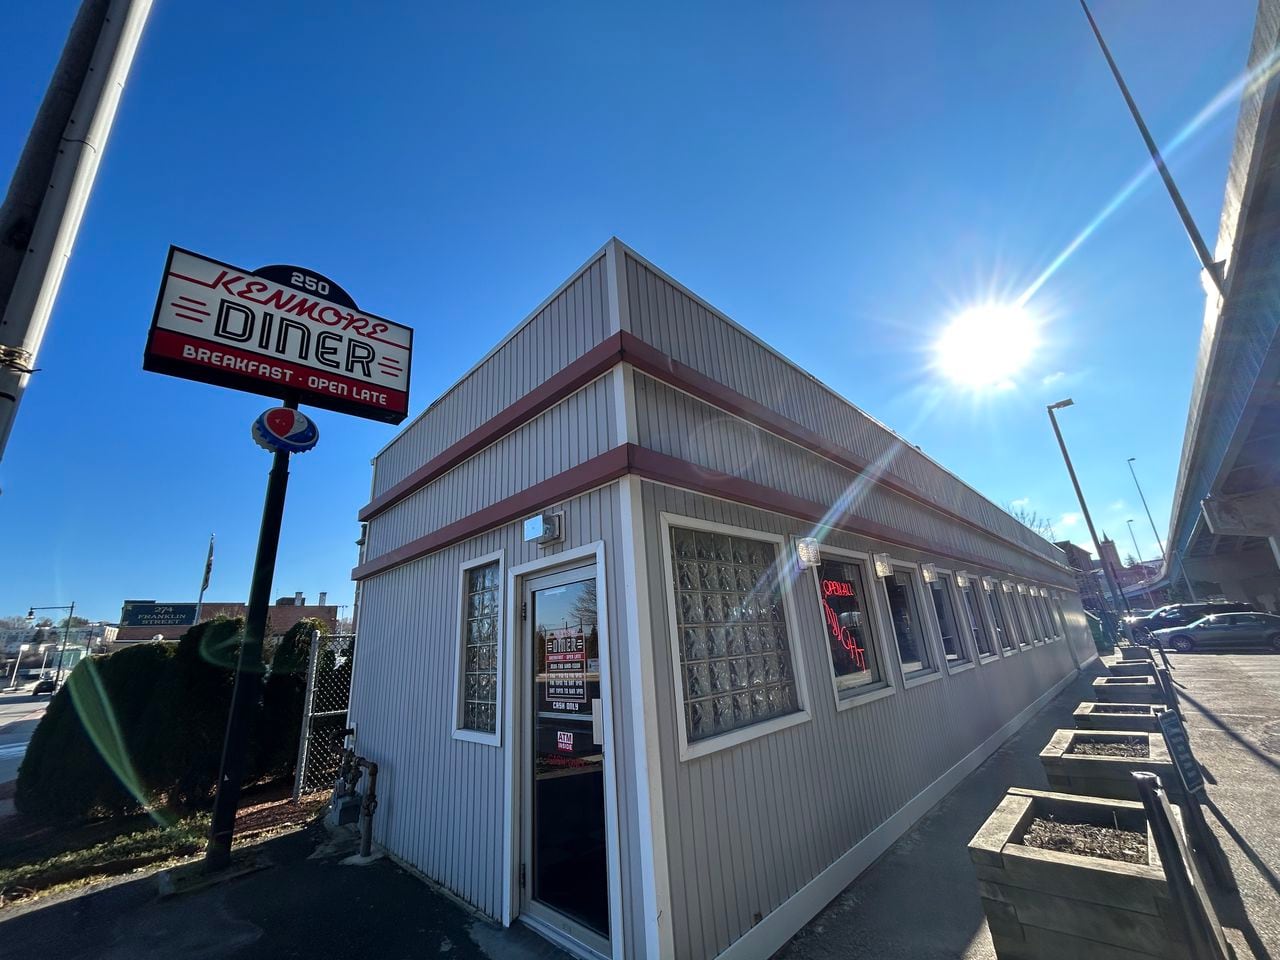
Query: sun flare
{"points": [[986, 347]]}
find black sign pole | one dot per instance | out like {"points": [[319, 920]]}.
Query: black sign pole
{"points": [[248, 683]]}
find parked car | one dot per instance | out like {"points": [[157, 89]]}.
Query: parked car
{"points": [[1224, 630], [43, 686], [1184, 614]]}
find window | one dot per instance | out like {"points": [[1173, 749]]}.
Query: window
{"points": [[948, 623], [1026, 607], [855, 660], [908, 626], [1015, 618], [478, 676], [997, 619], [735, 656], [1050, 628], [981, 641]]}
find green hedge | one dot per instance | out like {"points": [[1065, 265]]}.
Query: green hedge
{"points": [[143, 727]]}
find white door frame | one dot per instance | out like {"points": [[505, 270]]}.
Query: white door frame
{"points": [[514, 741]]}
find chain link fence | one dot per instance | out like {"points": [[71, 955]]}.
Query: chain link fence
{"points": [[324, 718]]}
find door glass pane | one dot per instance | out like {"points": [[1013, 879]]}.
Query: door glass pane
{"points": [[844, 611], [904, 613], [569, 860], [940, 590]]}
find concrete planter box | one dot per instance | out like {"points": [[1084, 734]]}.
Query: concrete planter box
{"points": [[1047, 905], [1109, 777], [1134, 653], [1095, 716], [1127, 690], [1133, 668]]}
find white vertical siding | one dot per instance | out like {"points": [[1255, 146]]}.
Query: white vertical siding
{"points": [[750, 825], [664, 316], [442, 805], [679, 425], [572, 322], [575, 430]]}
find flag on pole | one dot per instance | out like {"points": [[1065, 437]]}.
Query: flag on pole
{"points": [[208, 566]]}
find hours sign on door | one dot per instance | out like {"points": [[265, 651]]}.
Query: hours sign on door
{"points": [[280, 331]]}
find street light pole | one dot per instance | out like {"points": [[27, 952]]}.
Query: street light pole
{"points": [[1084, 508], [1138, 555], [66, 633], [1159, 542]]}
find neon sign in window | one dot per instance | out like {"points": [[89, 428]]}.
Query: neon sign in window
{"points": [[844, 614]]}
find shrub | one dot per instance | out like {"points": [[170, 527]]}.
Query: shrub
{"points": [[86, 755]]}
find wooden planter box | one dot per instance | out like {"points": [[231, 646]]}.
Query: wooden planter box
{"points": [[1134, 653], [1095, 716], [1110, 777], [1134, 668], [1047, 905], [1127, 690]]}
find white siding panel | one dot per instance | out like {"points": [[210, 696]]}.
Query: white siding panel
{"points": [[679, 425], [750, 825], [665, 317], [567, 327], [575, 430], [442, 805]]}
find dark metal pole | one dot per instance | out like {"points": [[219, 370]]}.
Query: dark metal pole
{"points": [[248, 683], [1084, 508], [1211, 267], [62, 649]]}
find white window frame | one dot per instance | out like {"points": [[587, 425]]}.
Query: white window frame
{"points": [[928, 630], [1046, 618], [875, 619], [965, 637], [725, 741], [1033, 622], [975, 584], [997, 595], [459, 669]]}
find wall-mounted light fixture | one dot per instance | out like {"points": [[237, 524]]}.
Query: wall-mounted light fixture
{"points": [[962, 578], [1022, 589], [988, 584], [544, 528], [929, 572], [1006, 586], [883, 564], [808, 552]]}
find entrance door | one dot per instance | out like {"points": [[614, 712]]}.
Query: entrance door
{"points": [[566, 881]]}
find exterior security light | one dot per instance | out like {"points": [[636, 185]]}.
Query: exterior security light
{"points": [[929, 572], [962, 578], [1007, 587], [1022, 589], [544, 528], [988, 584], [883, 564], [808, 552]]}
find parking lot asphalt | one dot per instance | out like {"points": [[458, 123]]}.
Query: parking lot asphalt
{"points": [[920, 900]]}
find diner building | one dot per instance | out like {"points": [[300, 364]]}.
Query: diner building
{"points": [[662, 641]]}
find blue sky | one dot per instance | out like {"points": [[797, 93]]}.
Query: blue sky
{"points": [[839, 178]]}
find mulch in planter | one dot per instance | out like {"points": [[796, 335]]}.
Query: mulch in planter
{"points": [[1118, 747], [1122, 708], [1087, 840]]}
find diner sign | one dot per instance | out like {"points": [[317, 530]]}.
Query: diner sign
{"points": [[279, 331]]}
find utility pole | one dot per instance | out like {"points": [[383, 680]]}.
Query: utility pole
{"points": [[1154, 531], [1138, 556], [51, 185], [1084, 507]]}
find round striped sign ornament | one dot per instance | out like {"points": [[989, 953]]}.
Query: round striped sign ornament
{"points": [[283, 430]]}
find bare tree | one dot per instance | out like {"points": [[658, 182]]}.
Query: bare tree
{"points": [[1033, 521]]}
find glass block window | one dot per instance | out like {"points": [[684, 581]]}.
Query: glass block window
{"points": [[735, 656], [480, 649], [845, 612], [908, 626], [948, 623]]}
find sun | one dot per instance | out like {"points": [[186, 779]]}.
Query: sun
{"points": [[987, 346]]}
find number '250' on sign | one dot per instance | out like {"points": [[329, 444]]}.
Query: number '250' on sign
{"points": [[278, 331]]}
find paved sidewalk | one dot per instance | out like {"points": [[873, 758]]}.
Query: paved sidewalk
{"points": [[920, 900], [301, 906]]}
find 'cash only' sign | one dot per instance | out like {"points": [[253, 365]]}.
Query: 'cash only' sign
{"points": [[281, 331]]}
